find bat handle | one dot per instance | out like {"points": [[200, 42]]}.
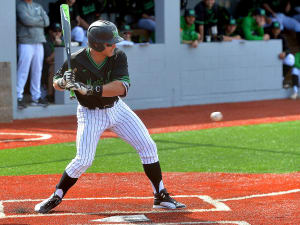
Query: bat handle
{"points": [[72, 93]]}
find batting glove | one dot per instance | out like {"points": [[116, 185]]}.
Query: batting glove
{"points": [[86, 89], [61, 83], [69, 78]]}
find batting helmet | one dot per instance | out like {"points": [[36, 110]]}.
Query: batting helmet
{"points": [[100, 32]]}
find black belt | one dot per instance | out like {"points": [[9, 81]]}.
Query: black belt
{"points": [[103, 106]]}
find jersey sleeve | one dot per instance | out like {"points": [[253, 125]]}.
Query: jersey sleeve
{"points": [[120, 71]]}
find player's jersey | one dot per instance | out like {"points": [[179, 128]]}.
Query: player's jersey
{"points": [[88, 72]]}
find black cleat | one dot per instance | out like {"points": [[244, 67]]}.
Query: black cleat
{"points": [[21, 103], [163, 200], [48, 204], [40, 102]]}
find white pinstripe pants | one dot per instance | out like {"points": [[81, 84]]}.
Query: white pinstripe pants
{"points": [[119, 119]]}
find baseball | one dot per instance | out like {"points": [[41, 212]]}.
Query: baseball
{"points": [[216, 116]]}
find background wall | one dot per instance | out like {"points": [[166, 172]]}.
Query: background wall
{"points": [[8, 48]]}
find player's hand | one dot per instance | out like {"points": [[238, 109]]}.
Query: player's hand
{"points": [[85, 89], [69, 78]]}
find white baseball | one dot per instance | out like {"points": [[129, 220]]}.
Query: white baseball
{"points": [[216, 116]]}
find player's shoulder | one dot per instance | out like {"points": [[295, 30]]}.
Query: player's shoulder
{"points": [[118, 54], [78, 53]]}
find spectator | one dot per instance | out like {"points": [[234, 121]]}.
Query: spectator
{"points": [[285, 55], [210, 19], [54, 39], [277, 10], [252, 26], [126, 35], [188, 29], [89, 11], [78, 24], [130, 13], [230, 31], [147, 19], [31, 20]]}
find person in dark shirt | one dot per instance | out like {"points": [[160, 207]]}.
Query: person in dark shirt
{"points": [[277, 10], [230, 32], [78, 24], [89, 10], [210, 18], [100, 77]]}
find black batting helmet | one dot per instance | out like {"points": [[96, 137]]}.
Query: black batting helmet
{"points": [[100, 32]]}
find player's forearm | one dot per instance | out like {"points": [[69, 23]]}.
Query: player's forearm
{"points": [[115, 88]]}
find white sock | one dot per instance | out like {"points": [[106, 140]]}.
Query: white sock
{"points": [[59, 192], [161, 186]]}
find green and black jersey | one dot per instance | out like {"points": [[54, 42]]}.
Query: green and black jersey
{"points": [[88, 72]]}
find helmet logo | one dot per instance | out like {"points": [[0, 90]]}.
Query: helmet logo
{"points": [[115, 33]]}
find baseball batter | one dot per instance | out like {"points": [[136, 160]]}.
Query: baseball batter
{"points": [[99, 78]]}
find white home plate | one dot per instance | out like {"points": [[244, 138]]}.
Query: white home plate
{"points": [[129, 218]]}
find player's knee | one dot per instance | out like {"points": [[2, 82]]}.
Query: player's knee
{"points": [[149, 153], [83, 164]]}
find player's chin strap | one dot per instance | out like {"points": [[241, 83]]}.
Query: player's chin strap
{"points": [[86, 89]]}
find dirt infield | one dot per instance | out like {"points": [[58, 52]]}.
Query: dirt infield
{"points": [[125, 198], [216, 198]]}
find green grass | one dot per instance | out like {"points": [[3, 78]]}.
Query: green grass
{"points": [[265, 148]]}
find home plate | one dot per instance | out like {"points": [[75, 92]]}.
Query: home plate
{"points": [[129, 218]]}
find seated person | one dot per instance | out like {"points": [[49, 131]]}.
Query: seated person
{"points": [[126, 35], [188, 30], [230, 31], [53, 39], [277, 10], [252, 26], [78, 25], [210, 18]]}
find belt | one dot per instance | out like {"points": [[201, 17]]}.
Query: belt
{"points": [[103, 106]]}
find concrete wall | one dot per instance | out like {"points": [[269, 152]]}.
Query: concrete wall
{"points": [[8, 47]]}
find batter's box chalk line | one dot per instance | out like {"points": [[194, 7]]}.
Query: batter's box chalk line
{"points": [[39, 137], [217, 206], [217, 203]]}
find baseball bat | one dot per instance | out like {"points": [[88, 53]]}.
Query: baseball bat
{"points": [[66, 29]]}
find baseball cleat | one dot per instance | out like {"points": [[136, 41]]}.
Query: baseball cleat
{"points": [[48, 204], [163, 200]]}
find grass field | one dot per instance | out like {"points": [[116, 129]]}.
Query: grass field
{"points": [[264, 148]]}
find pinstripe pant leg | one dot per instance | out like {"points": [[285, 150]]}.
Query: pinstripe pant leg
{"points": [[91, 124], [130, 128]]}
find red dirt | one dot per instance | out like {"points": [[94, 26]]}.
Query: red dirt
{"points": [[275, 210]]}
